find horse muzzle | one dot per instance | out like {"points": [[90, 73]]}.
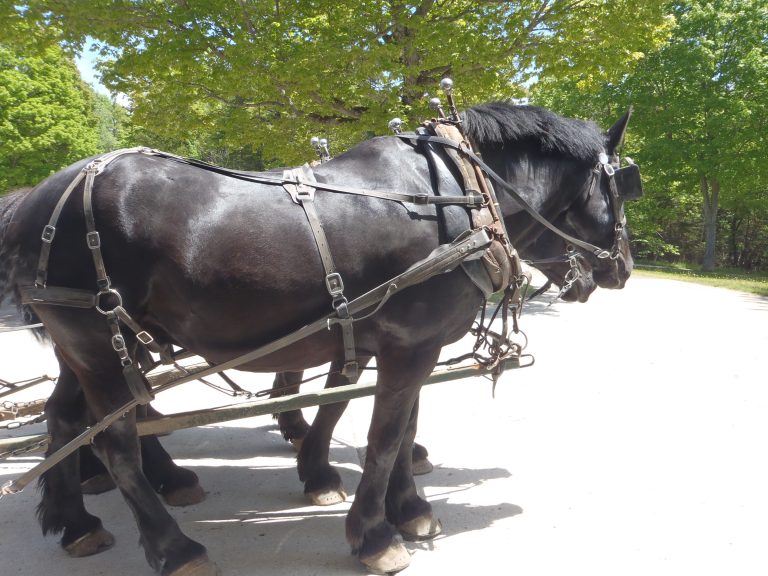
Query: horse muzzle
{"points": [[612, 273]]}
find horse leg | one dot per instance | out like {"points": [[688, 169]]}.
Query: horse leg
{"points": [[92, 359], [322, 483], [61, 508], [292, 424], [178, 486], [94, 478], [404, 507], [371, 535], [165, 546]]}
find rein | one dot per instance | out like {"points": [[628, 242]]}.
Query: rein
{"points": [[464, 149]]}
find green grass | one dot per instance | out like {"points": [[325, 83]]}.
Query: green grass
{"points": [[734, 279]]}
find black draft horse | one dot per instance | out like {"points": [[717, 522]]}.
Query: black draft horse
{"points": [[221, 266]]}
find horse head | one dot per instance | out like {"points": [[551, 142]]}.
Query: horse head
{"points": [[568, 171], [597, 216]]}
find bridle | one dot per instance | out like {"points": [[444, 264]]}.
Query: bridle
{"points": [[615, 200]]}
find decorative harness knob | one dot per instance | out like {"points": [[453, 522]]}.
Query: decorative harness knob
{"points": [[396, 125]]}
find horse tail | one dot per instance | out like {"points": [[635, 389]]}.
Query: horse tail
{"points": [[9, 255], [8, 205]]}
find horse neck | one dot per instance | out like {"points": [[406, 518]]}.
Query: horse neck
{"points": [[548, 184]]}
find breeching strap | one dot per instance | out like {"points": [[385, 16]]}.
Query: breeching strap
{"points": [[304, 194]]}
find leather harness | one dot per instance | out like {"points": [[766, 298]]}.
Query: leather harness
{"points": [[300, 183], [500, 271], [485, 240]]}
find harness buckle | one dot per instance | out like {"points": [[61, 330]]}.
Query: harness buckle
{"points": [[145, 338], [476, 199], [118, 344], [48, 233], [304, 192], [340, 305], [93, 240], [335, 285]]}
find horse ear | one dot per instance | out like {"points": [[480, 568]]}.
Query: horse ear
{"points": [[615, 134]]}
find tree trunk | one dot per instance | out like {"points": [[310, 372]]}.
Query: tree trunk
{"points": [[710, 191], [735, 254]]}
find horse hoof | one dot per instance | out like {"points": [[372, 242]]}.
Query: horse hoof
{"points": [[297, 443], [98, 484], [390, 560], [420, 528], [327, 497], [423, 466], [91, 543], [198, 567], [184, 496]]}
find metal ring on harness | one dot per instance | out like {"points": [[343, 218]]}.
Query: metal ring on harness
{"points": [[108, 291]]}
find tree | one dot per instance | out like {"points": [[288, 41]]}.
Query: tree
{"points": [[701, 113], [112, 123], [45, 115], [271, 74]]}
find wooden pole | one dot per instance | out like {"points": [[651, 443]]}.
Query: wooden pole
{"points": [[171, 422]]}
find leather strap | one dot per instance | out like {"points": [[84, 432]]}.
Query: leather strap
{"points": [[77, 298], [304, 194], [49, 232], [291, 177], [501, 261], [58, 296], [596, 250]]}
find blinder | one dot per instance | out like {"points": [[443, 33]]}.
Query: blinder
{"points": [[629, 185]]}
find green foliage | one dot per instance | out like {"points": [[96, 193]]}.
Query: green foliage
{"points": [[46, 117], [701, 115], [721, 278], [112, 122], [270, 74]]}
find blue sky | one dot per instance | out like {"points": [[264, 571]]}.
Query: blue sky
{"points": [[85, 63]]}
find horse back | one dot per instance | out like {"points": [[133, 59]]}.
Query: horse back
{"points": [[199, 256]]}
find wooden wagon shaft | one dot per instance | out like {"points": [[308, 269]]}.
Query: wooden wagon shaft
{"points": [[22, 409], [14, 387], [169, 423]]}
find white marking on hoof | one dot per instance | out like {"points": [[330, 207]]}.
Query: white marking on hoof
{"points": [[185, 496], [198, 567], [421, 467], [327, 497], [390, 560], [421, 528], [90, 544]]}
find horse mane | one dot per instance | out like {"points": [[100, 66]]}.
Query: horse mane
{"points": [[506, 124]]}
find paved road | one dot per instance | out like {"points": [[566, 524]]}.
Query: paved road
{"points": [[634, 446]]}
